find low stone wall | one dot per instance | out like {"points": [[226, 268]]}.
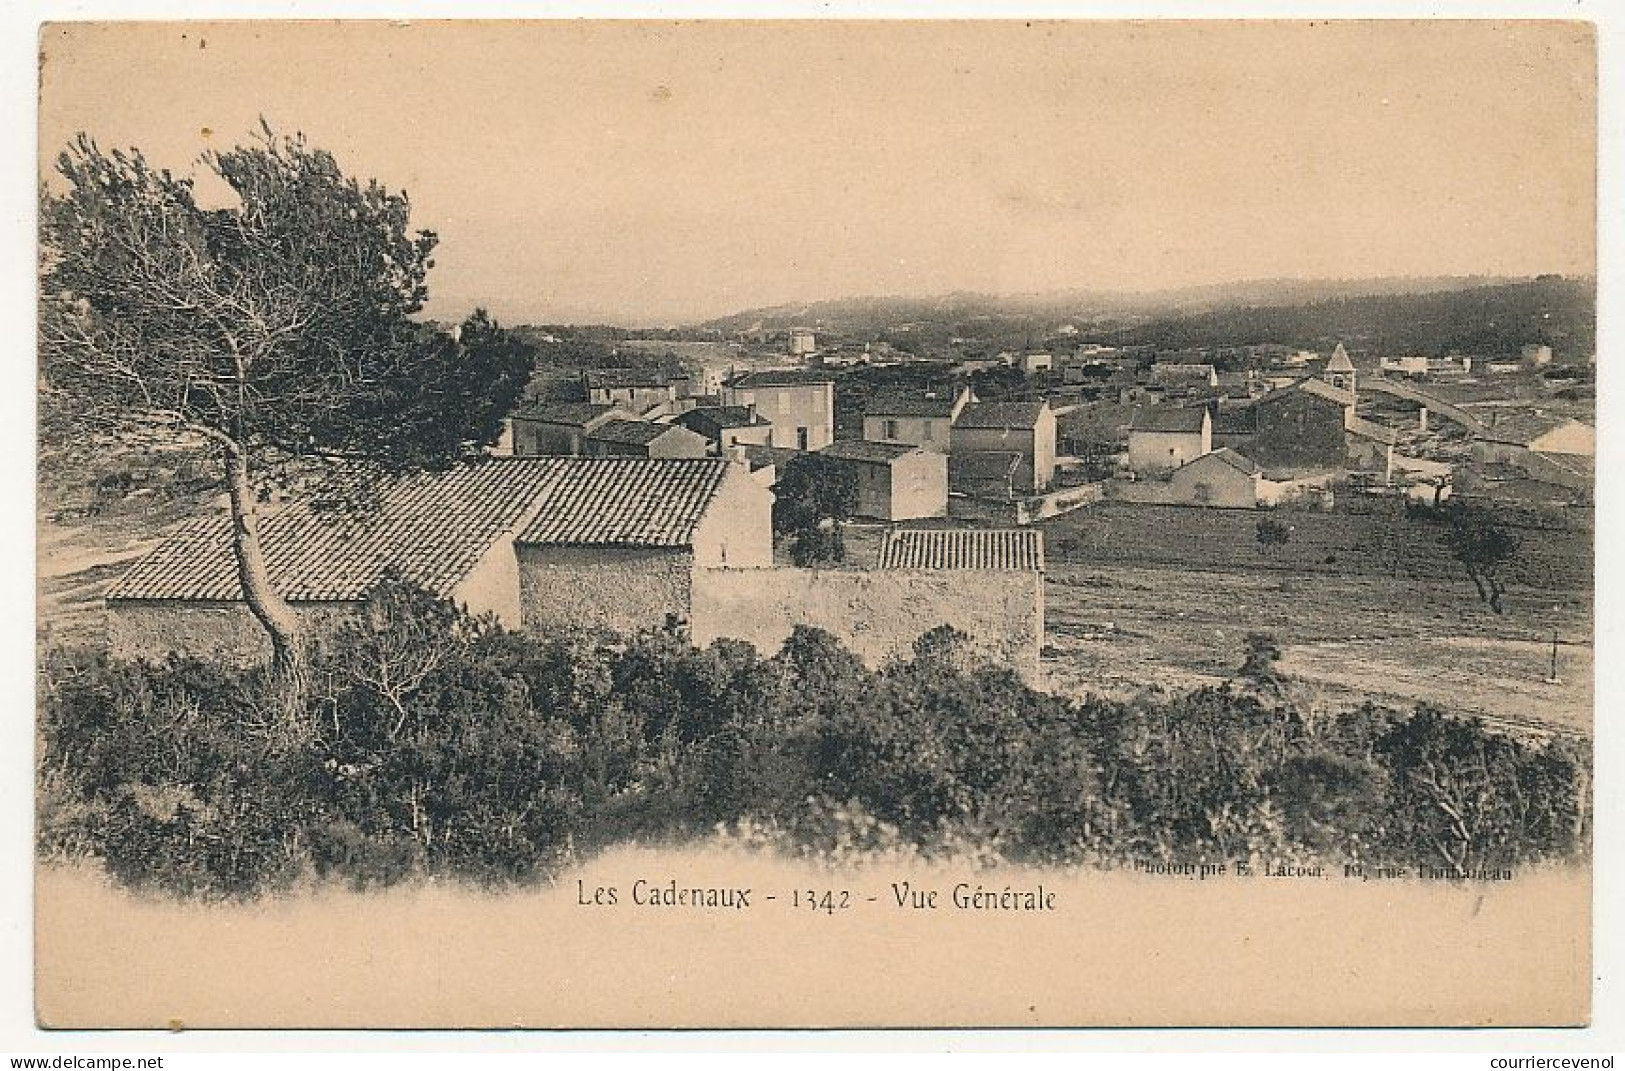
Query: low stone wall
{"points": [[216, 631], [878, 613], [566, 589]]}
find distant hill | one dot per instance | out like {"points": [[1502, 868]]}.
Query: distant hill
{"points": [[874, 314], [1482, 320], [1479, 314]]}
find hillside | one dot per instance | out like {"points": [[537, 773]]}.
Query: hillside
{"points": [[1476, 314]]}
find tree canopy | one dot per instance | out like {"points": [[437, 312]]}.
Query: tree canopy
{"points": [[278, 327]]}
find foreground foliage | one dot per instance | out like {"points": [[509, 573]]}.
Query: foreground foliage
{"points": [[439, 744]]}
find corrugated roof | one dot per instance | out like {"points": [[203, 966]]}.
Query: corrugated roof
{"points": [[1180, 419], [432, 526], [627, 502], [1000, 415], [963, 548], [863, 450]]}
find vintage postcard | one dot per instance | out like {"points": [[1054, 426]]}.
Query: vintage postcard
{"points": [[815, 523]]}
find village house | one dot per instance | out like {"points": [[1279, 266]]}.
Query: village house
{"points": [[1405, 365], [1546, 447], [640, 391], [1234, 425], [990, 474], [798, 403], [896, 481], [1222, 479], [1170, 375], [923, 418], [537, 542], [1032, 363], [1023, 428], [641, 438], [560, 427], [1162, 438], [1303, 424], [1508, 437], [727, 426]]}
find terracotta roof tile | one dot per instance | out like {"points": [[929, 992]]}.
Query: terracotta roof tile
{"points": [[435, 527], [627, 502], [963, 548], [1000, 415]]}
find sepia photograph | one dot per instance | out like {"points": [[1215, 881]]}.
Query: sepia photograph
{"points": [[815, 523]]}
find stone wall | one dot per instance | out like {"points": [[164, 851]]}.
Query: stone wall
{"points": [[879, 613], [569, 589], [216, 631]]}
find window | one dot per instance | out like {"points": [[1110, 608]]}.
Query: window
{"points": [[890, 431], [930, 430], [801, 438]]}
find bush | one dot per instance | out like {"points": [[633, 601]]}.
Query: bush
{"points": [[447, 745]]}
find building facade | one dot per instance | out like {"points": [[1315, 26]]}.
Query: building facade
{"points": [[798, 403], [1026, 429], [896, 481], [1162, 438], [921, 418]]}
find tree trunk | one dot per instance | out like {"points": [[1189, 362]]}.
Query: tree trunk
{"points": [[288, 654]]}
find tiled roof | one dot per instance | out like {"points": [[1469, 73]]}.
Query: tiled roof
{"points": [[1163, 372], [574, 414], [628, 432], [627, 502], [607, 378], [1181, 419], [782, 377], [963, 548], [1522, 428], [1317, 387], [1240, 462], [1340, 360], [763, 456], [711, 420], [432, 526], [983, 465], [920, 404], [863, 450], [1000, 415], [1235, 420], [1368, 429]]}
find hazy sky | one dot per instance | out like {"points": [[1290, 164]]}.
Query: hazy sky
{"points": [[663, 172]]}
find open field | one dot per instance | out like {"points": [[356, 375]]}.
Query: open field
{"points": [[1148, 596], [1114, 629]]}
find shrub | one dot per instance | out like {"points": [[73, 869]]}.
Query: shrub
{"points": [[447, 745]]}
